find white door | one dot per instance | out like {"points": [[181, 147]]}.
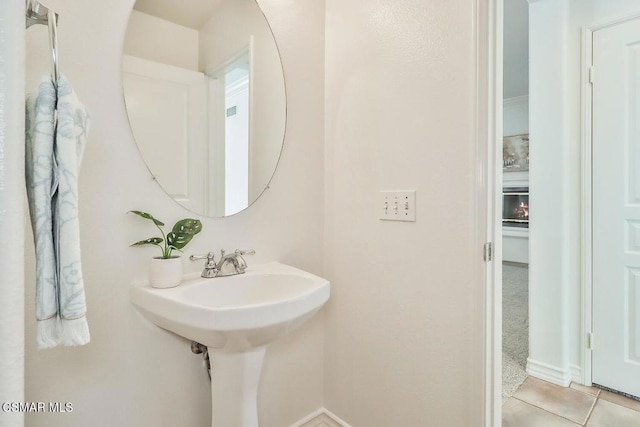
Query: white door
{"points": [[616, 207], [172, 134]]}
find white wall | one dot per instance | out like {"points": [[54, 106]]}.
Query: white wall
{"points": [[555, 288], [516, 48], [222, 37], [133, 374], [403, 315], [515, 116], [12, 212], [161, 41]]}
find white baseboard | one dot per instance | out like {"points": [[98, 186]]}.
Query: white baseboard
{"points": [[576, 374], [552, 374], [321, 418]]}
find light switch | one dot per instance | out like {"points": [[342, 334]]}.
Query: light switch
{"points": [[398, 205]]}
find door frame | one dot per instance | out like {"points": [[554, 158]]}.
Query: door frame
{"points": [[587, 191], [489, 78]]}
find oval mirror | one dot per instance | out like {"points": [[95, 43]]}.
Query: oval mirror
{"points": [[204, 91]]}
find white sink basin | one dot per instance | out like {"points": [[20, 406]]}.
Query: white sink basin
{"points": [[235, 313], [236, 317]]}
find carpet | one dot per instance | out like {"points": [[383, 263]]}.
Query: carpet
{"points": [[515, 327]]}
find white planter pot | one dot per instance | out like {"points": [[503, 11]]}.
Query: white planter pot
{"points": [[165, 273]]}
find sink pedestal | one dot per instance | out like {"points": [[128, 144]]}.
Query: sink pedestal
{"points": [[236, 317], [234, 387]]}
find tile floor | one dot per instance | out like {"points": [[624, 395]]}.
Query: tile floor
{"points": [[538, 403]]}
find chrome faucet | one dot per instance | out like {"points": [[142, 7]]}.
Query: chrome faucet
{"points": [[229, 264]]}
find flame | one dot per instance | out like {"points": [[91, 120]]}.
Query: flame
{"points": [[521, 211]]}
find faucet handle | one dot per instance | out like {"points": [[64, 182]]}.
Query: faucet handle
{"points": [[197, 257], [245, 252], [210, 267], [209, 257]]}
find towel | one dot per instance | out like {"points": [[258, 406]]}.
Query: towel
{"points": [[53, 155]]}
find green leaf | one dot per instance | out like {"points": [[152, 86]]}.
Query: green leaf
{"points": [[148, 216], [187, 226], [150, 241], [182, 233]]}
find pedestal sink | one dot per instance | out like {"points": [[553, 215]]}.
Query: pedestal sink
{"points": [[236, 317]]}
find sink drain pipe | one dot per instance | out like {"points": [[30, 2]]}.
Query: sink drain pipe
{"points": [[197, 348]]}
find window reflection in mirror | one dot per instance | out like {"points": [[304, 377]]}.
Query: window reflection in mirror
{"points": [[204, 91]]}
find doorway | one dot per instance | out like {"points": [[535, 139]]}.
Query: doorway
{"points": [[515, 197], [236, 127], [230, 122], [560, 247]]}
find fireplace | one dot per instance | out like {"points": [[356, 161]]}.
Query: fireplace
{"points": [[515, 207]]}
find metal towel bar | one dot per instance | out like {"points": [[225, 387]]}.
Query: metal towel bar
{"points": [[39, 14]]}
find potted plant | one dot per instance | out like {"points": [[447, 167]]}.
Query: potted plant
{"points": [[166, 270]]}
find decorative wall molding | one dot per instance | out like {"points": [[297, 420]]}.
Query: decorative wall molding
{"points": [[552, 374], [515, 179], [516, 100], [321, 418], [520, 233]]}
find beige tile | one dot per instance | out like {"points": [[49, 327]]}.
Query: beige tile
{"points": [[589, 390], [564, 401], [516, 413], [607, 414], [620, 400]]}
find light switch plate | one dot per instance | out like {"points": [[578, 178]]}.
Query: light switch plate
{"points": [[397, 205]]}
